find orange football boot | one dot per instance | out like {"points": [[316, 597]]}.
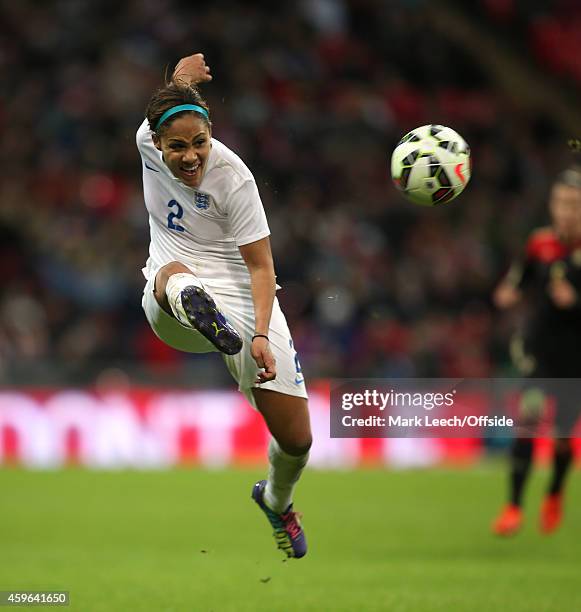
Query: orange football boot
{"points": [[509, 521], [551, 513]]}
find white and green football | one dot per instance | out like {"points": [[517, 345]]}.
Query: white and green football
{"points": [[431, 165]]}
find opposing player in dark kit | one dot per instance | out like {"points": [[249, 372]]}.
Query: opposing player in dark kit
{"points": [[549, 348]]}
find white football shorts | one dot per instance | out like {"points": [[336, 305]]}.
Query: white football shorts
{"points": [[237, 305]]}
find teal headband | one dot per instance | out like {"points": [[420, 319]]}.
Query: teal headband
{"points": [[178, 109]]}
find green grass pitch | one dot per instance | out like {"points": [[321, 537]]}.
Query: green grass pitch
{"points": [[189, 540]]}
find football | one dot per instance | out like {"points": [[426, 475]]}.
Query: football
{"points": [[431, 165]]}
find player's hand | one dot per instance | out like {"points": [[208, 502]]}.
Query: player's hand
{"points": [[192, 69], [506, 296], [265, 360], [563, 294]]}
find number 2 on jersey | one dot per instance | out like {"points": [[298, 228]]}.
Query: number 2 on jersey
{"points": [[175, 215]]}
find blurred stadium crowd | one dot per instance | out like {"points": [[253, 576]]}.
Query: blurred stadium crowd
{"points": [[313, 95], [550, 30]]}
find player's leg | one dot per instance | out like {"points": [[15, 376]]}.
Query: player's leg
{"points": [[521, 462], [562, 461], [287, 418], [566, 393], [182, 295], [531, 409], [552, 507], [283, 405], [510, 519]]}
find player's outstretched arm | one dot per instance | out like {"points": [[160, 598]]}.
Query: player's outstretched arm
{"points": [[192, 69], [258, 258]]}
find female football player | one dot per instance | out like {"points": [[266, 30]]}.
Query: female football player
{"points": [[211, 282], [550, 278]]}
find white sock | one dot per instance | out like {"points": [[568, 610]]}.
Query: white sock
{"points": [[176, 283], [283, 474]]}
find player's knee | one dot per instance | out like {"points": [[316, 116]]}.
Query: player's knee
{"points": [[163, 274], [161, 279], [297, 445]]}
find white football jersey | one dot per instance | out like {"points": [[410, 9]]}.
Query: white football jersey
{"points": [[202, 227]]}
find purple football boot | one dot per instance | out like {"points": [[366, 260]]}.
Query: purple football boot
{"points": [[203, 314], [288, 533]]}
